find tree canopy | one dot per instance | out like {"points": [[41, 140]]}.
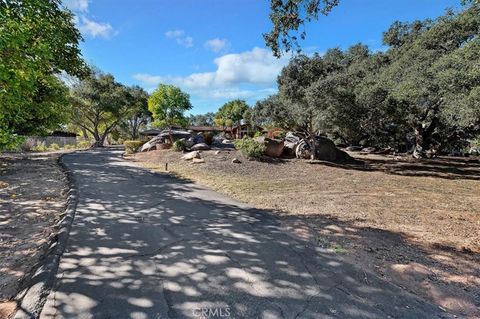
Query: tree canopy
{"points": [[139, 115], [422, 91], [207, 119], [100, 104], [287, 16], [168, 104], [231, 113], [38, 41]]}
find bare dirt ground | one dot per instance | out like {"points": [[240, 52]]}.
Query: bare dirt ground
{"points": [[415, 223], [32, 198]]}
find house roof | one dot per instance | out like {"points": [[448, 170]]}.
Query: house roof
{"points": [[205, 128], [244, 125], [63, 134], [150, 132]]}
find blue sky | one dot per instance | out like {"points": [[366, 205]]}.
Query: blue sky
{"points": [[213, 49]]}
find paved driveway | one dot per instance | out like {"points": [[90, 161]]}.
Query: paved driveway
{"points": [[147, 245]]}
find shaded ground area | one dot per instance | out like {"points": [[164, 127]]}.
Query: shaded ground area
{"points": [[32, 198], [415, 223], [146, 245]]}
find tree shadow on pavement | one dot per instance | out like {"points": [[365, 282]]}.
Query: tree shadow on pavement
{"points": [[147, 245]]}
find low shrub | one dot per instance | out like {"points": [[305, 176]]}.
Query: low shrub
{"points": [[249, 147], [53, 147], [39, 148], [179, 146], [70, 146], [84, 144], [132, 146]]}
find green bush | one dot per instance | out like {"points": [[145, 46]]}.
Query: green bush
{"points": [[179, 146], [83, 144], [132, 146], [70, 146], [53, 147], [249, 147], [39, 148]]}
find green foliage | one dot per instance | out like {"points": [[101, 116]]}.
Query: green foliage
{"points": [[424, 91], [287, 16], [38, 41], [70, 146], [138, 117], [9, 140], [100, 104], [83, 144], [179, 145], [249, 147], [53, 147], [39, 148], [132, 146], [168, 104], [274, 111], [206, 119], [231, 112]]}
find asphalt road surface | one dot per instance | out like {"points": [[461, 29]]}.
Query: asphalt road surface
{"points": [[148, 245]]}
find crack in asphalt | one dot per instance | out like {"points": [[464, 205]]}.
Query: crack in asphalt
{"points": [[156, 251]]}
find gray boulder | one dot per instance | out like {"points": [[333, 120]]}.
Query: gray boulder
{"points": [[200, 147], [165, 136], [151, 145], [327, 151], [191, 155], [273, 148]]}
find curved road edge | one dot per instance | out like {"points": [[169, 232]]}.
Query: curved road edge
{"points": [[30, 301]]}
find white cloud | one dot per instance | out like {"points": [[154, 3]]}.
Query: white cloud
{"points": [[186, 42], [180, 37], [77, 5], [256, 68], [217, 45], [96, 29], [148, 80], [172, 34], [86, 25], [235, 93]]}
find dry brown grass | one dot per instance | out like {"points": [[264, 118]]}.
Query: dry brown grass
{"points": [[417, 223], [32, 198]]}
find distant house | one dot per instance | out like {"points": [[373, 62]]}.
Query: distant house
{"points": [[198, 129], [151, 132], [240, 131], [205, 129], [237, 131]]}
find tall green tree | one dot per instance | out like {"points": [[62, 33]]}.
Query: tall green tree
{"points": [[38, 40], [168, 105], [232, 112], [139, 117], [422, 68], [273, 111], [207, 119], [100, 104]]}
